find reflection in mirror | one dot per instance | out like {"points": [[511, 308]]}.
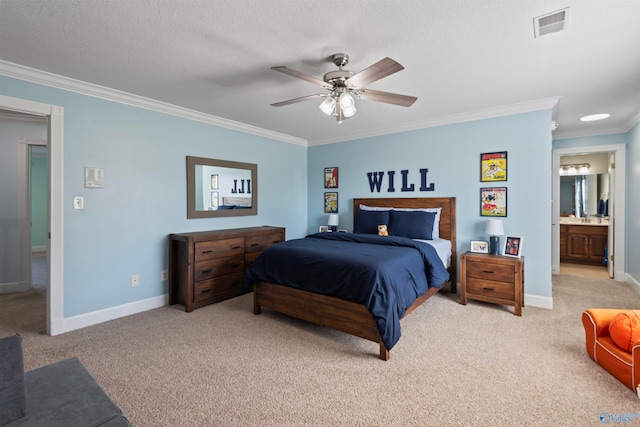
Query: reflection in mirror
{"points": [[584, 195], [218, 188]]}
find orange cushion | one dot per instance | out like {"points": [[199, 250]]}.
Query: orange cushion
{"points": [[624, 329]]}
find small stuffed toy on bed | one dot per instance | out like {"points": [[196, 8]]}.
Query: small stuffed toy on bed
{"points": [[382, 230]]}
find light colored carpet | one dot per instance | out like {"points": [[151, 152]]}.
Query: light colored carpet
{"points": [[454, 365]]}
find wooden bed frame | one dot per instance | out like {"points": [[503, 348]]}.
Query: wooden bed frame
{"points": [[347, 316]]}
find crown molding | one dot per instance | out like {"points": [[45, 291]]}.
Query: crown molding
{"points": [[487, 113], [33, 75]]}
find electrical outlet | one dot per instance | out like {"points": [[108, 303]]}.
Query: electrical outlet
{"points": [[135, 280], [164, 275]]}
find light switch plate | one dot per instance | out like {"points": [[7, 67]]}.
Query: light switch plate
{"points": [[78, 202]]}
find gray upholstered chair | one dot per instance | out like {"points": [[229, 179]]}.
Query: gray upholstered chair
{"points": [[60, 394]]}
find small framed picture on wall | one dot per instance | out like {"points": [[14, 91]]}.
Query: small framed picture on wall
{"points": [[330, 202], [493, 166], [330, 177], [493, 201]]}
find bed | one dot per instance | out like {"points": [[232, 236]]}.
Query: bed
{"points": [[338, 308]]}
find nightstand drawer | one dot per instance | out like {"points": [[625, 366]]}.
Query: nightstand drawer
{"points": [[218, 267], [489, 271], [488, 288], [217, 248]]}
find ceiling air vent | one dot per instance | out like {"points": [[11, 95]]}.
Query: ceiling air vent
{"points": [[551, 22]]}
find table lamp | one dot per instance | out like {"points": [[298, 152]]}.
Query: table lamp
{"points": [[494, 229], [333, 221]]}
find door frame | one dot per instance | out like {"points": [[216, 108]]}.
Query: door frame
{"points": [[55, 207], [618, 206]]}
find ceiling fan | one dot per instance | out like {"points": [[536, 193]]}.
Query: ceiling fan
{"points": [[344, 86]]}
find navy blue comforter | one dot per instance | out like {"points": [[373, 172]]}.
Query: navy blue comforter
{"points": [[385, 274]]}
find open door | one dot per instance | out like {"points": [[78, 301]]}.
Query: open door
{"points": [[612, 216]]}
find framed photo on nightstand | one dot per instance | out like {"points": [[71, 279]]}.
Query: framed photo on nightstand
{"points": [[512, 246], [480, 246]]}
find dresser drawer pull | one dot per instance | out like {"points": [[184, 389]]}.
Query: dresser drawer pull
{"points": [[206, 290], [486, 288], [255, 244], [276, 241], [487, 271], [236, 247], [205, 271], [206, 252], [235, 266]]}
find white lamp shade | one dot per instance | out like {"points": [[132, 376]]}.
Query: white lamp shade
{"points": [[333, 220], [494, 227]]}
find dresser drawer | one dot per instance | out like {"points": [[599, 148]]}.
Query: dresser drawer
{"points": [[506, 291], [219, 288], [489, 271], [209, 269], [261, 242], [218, 248], [249, 257]]}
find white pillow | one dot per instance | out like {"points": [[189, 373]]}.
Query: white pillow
{"points": [[436, 222]]}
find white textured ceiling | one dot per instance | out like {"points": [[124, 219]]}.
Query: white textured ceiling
{"points": [[462, 58]]}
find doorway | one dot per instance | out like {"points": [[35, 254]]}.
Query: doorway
{"points": [[54, 116], [616, 205]]}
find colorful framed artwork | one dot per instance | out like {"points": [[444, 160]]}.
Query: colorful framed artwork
{"points": [[512, 246], [323, 229], [480, 246], [493, 167], [493, 201], [330, 177], [330, 202], [214, 182]]}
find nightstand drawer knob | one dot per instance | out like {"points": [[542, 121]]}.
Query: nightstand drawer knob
{"points": [[487, 271], [486, 288]]}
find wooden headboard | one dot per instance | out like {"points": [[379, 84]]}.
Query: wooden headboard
{"points": [[447, 216]]}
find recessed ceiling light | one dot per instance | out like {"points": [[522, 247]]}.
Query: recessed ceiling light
{"points": [[594, 117]]}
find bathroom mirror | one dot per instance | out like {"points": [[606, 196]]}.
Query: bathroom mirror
{"points": [[580, 194], [220, 188]]}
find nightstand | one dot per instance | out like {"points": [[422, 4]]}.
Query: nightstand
{"points": [[492, 278]]}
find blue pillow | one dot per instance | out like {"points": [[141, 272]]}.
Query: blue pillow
{"points": [[368, 221], [412, 224]]}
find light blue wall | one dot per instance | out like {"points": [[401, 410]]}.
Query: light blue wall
{"points": [[452, 155], [633, 203], [123, 229], [39, 202]]}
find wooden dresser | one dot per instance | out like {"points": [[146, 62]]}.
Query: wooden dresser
{"points": [[492, 278], [208, 266]]}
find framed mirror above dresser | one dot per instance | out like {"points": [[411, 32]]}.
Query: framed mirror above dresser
{"points": [[221, 188]]}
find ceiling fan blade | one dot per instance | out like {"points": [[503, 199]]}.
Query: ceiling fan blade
{"points": [[303, 76], [302, 98], [387, 97], [380, 69]]}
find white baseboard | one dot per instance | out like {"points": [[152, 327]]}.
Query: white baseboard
{"points": [[100, 316], [538, 301], [633, 282]]}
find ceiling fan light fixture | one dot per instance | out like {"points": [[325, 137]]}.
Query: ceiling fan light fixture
{"points": [[347, 104], [328, 106]]}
